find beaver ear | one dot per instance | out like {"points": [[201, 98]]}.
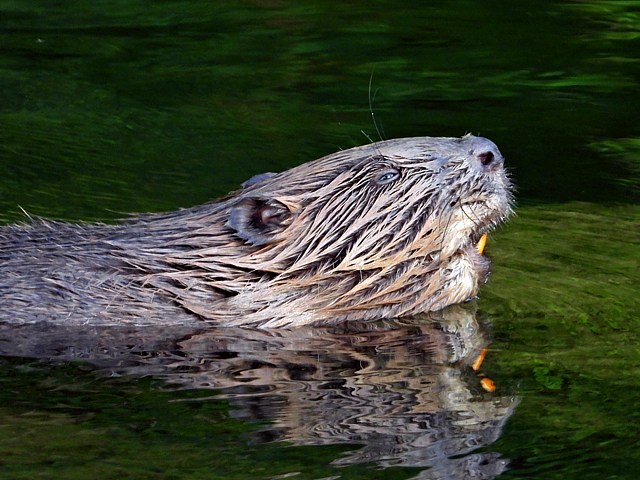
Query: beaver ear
{"points": [[257, 179], [259, 220]]}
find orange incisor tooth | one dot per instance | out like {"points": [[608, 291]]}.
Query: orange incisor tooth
{"points": [[481, 243], [479, 359], [488, 384]]}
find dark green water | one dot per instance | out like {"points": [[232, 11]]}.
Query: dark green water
{"points": [[120, 106]]}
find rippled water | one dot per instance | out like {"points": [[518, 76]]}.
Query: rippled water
{"points": [[397, 394], [113, 107]]}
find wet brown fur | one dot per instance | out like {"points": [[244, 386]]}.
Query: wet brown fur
{"points": [[378, 231]]}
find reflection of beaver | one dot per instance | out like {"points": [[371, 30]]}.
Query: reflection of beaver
{"points": [[405, 390], [383, 230]]}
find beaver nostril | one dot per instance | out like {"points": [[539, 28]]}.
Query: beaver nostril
{"points": [[486, 158]]}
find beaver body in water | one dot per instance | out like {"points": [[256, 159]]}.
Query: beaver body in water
{"points": [[379, 231]]}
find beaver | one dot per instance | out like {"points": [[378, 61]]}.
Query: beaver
{"points": [[384, 230]]}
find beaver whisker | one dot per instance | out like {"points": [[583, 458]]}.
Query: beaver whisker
{"points": [[377, 231], [373, 117], [467, 209]]}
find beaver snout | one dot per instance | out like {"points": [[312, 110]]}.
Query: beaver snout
{"points": [[484, 155]]}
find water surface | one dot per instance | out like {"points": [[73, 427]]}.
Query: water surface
{"points": [[114, 107]]}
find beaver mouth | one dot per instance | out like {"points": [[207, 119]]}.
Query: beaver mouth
{"points": [[486, 216], [476, 240], [479, 216], [475, 245]]}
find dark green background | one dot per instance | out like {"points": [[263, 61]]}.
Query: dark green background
{"points": [[121, 106]]}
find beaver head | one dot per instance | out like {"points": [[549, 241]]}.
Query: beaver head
{"points": [[384, 230]]}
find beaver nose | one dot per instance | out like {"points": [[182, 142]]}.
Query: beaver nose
{"points": [[486, 157], [485, 154]]}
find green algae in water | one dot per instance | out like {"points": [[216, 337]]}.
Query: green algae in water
{"points": [[564, 304], [572, 267]]}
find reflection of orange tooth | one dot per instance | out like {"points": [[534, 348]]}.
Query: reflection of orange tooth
{"points": [[476, 365], [488, 384], [481, 243]]}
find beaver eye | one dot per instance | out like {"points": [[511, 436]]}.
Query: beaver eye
{"points": [[387, 176]]}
